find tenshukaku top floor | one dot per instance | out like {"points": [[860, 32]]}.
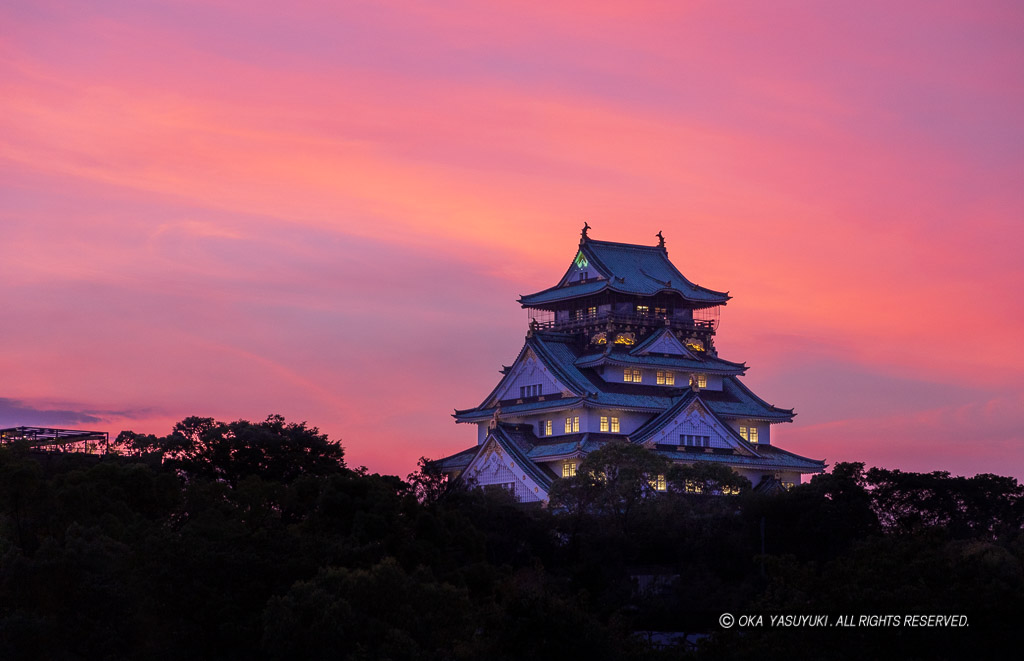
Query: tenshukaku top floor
{"points": [[617, 293]]}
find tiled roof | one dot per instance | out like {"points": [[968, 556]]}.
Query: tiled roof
{"points": [[559, 354], [526, 407], [735, 400], [457, 461], [629, 269], [571, 443], [771, 458], [709, 364]]}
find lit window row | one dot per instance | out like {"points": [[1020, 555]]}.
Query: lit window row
{"points": [[658, 483], [545, 428], [749, 434], [569, 469], [579, 313], [630, 375], [610, 424], [572, 424], [666, 378], [529, 391]]}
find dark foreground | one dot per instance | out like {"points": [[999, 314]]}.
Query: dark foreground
{"points": [[256, 541]]}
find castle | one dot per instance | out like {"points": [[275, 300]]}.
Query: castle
{"points": [[621, 348]]}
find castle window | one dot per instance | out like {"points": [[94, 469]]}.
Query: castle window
{"points": [[615, 425], [658, 483], [572, 424], [529, 391], [604, 423], [695, 440], [643, 310], [666, 378], [749, 434], [592, 311], [694, 487], [743, 433], [753, 434], [700, 379], [569, 469], [632, 375], [545, 428], [660, 312]]}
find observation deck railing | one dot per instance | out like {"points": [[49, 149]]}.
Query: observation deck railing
{"points": [[649, 320]]}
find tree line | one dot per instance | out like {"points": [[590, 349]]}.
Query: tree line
{"points": [[257, 540]]}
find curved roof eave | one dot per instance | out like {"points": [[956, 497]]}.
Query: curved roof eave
{"points": [[715, 297]]}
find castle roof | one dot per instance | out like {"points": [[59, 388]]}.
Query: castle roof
{"points": [[627, 269], [559, 353], [706, 363]]}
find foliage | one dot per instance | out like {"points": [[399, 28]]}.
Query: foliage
{"points": [[268, 547], [231, 451]]}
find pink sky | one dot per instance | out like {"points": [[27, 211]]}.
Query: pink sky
{"points": [[327, 210]]}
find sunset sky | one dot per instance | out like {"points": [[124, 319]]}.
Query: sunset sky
{"points": [[327, 210]]}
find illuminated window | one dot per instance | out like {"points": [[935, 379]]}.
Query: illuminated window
{"points": [[615, 425], [730, 491], [529, 391], [658, 483], [743, 433], [577, 314], [572, 425], [632, 375], [701, 379], [753, 434], [592, 311], [569, 469], [666, 378], [643, 310], [545, 428], [604, 423], [660, 312], [694, 487]]}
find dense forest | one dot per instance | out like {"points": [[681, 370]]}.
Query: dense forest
{"points": [[255, 540]]}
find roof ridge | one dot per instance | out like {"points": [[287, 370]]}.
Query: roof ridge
{"points": [[624, 245]]}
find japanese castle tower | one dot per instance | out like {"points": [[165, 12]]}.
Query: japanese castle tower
{"points": [[623, 347]]}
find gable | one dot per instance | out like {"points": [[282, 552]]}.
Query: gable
{"points": [[528, 372], [697, 421], [664, 342], [582, 269], [493, 466]]}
